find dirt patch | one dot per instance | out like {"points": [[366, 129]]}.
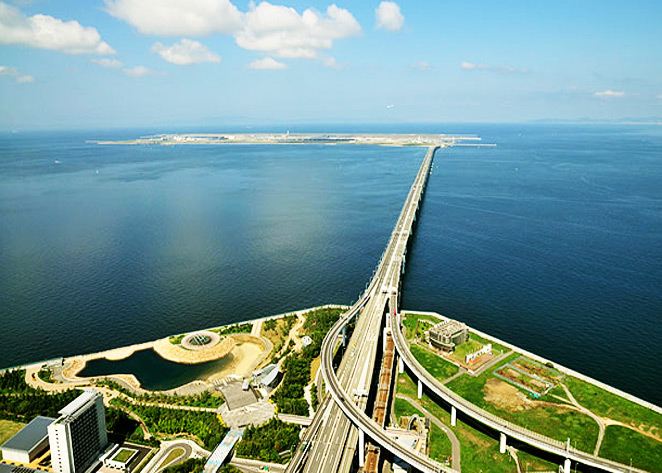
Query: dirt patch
{"points": [[468, 435], [505, 396]]}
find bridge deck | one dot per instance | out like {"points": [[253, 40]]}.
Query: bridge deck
{"points": [[330, 445]]}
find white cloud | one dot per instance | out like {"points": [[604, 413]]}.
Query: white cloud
{"points": [[137, 71], [24, 79], [185, 52], [389, 17], [472, 66], [109, 63], [267, 63], [47, 32], [18, 77], [609, 93], [422, 66], [330, 62], [281, 31], [177, 17]]}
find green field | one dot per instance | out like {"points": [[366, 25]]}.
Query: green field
{"points": [[439, 445], [479, 452], [416, 324], [433, 363], [402, 408], [8, 428], [625, 445], [606, 404], [554, 422]]}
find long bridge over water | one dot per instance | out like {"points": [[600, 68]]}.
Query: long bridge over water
{"points": [[348, 429]]}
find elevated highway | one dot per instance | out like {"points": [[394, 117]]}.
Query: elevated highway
{"points": [[504, 428], [337, 434], [333, 440]]}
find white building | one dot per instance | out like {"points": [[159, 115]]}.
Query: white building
{"points": [[78, 436], [29, 442]]}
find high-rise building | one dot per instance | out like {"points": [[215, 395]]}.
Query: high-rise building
{"points": [[78, 436]]}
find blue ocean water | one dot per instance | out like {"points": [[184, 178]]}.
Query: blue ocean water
{"points": [[552, 240]]}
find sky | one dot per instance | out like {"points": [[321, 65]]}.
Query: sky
{"points": [[70, 64]]}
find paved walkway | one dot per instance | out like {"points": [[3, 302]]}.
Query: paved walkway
{"points": [[455, 443]]}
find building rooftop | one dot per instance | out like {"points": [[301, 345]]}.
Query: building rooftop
{"points": [[267, 375], [5, 468], [448, 327], [80, 401], [30, 435]]}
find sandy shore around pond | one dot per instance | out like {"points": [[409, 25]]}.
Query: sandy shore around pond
{"points": [[245, 352], [179, 354], [246, 356]]}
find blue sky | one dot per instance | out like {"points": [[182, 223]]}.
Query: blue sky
{"points": [[123, 63]]}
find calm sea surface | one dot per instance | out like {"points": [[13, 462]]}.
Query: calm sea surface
{"points": [[552, 240]]}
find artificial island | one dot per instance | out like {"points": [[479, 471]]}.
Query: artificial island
{"points": [[371, 387]]}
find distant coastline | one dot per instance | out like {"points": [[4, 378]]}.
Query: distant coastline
{"points": [[375, 139]]}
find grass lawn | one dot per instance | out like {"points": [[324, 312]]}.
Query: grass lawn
{"points": [[606, 404], [123, 455], [402, 408], [8, 428], [553, 422], [433, 363], [532, 463], [440, 448], [479, 452], [416, 324], [475, 343], [470, 346], [624, 445], [173, 455]]}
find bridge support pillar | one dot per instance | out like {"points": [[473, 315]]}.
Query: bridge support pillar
{"points": [[453, 416], [361, 451], [420, 389], [502, 443], [344, 336], [566, 466], [401, 365]]}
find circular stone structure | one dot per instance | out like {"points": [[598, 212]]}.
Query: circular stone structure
{"points": [[200, 340]]}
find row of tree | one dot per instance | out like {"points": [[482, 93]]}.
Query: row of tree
{"points": [[289, 396], [270, 442], [203, 425], [21, 402]]}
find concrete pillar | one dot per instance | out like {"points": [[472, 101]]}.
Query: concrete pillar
{"points": [[344, 336], [361, 451], [420, 389], [566, 466], [401, 365], [502, 443], [453, 416]]}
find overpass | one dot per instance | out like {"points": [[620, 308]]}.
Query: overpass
{"points": [[504, 428], [341, 422], [330, 444]]}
